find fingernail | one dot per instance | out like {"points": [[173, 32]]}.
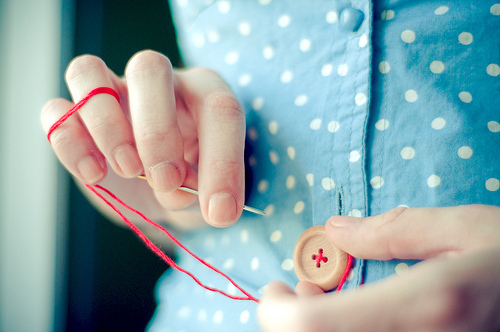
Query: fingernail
{"points": [[165, 176], [90, 169], [344, 221], [222, 209], [128, 160]]}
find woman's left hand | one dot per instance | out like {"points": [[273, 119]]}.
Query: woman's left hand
{"points": [[455, 288]]}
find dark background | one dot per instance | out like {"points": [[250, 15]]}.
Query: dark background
{"points": [[107, 275]]}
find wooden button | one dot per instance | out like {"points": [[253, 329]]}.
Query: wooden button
{"points": [[317, 260]]}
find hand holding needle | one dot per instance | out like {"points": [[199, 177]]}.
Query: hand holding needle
{"points": [[192, 191]]}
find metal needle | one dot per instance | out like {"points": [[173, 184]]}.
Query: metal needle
{"points": [[192, 191]]}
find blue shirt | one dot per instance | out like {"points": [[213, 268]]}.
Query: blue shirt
{"points": [[352, 108]]}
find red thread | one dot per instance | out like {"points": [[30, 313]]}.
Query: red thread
{"points": [[134, 228], [348, 265], [319, 258], [96, 91]]}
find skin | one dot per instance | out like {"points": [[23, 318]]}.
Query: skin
{"points": [[187, 128], [455, 288], [177, 127]]}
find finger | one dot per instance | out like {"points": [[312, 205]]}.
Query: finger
{"points": [[306, 288], [72, 144], [418, 301], [416, 233], [152, 106], [103, 116], [221, 132]]}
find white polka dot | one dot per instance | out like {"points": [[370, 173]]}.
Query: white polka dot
{"points": [[326, 70], [291, 152], [231, 58], [408, 36], [438, 123], [305, 45], [244, 28], [263, 186], [354, 156], [273, 127], [244, 236], [218, 317], [310, 179], [387, 15], [198, 40], [327, 183], [245, 315], [441, 10], [315, 124], [465, 152], [268, 52], [257, 103], [411, 96], [184, 312], [401, 268], [299, 207], [360, 99], [290, 182], [354, 213], [407, 152], [202, 315], [382, 124], [287, 264], [377, 182], [403, 205], [465, 96], [494, 126], [284, 21], [342, 70], [224, 6], [333, 126], [437, 67], [301, 100], [244, 80], [363, 41], [492, 184], [465, 38], [213, 36], [264, 2], [252, 134], [276, 236], [286, 76], [252, 161], [332, 17], [225, 240], [182, 3], [269, 210], [254, 264], [209, 242], [493, 69], [495, 9], [433, 181], [228, 264], [384, 67], [231, 289], [273, 156]]}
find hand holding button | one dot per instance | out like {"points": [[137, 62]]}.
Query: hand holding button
{"points": [[455, 288]]}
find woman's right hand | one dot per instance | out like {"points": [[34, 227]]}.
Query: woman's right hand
{"points": [[178, 127]]}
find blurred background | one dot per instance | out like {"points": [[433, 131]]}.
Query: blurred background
{"points": [[63, 267]]}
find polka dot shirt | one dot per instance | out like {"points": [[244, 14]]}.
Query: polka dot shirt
{"points": [[352, 108]]}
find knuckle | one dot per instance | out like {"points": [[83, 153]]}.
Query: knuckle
{"points": [[224, 104], [82, 65], [225, 168], [148, 63]]}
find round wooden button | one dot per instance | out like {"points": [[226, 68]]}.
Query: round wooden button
{"points": [[317, 260]]}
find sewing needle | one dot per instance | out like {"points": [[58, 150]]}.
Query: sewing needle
{"points": [[192, 191]]}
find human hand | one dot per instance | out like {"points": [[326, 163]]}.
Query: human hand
{"points": [[456, 288], [177, 127]]}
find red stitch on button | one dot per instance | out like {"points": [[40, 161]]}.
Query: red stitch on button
{"points": [[319, 258]]}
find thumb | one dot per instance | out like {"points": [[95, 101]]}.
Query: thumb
{"points": [[408, 233]]}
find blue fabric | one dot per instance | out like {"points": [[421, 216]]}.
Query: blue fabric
{"points": [[343, 117]]}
